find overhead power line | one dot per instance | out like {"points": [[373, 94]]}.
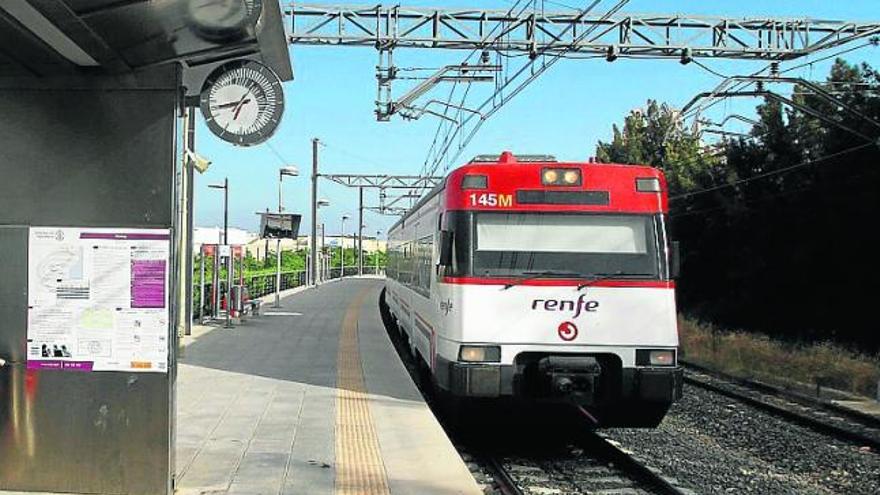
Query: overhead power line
{"points": [[773, 172]]}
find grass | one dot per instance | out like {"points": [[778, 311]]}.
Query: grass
{"points": [[753, 355]]}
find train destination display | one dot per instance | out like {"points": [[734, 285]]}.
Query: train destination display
{"points": [[98, 299]]}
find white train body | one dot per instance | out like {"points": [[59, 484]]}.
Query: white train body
{"points": [[509, 287]]}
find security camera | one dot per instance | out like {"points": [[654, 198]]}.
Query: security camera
{"points": [[199, 162]]}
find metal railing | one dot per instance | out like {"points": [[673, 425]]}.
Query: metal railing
{"points": [[264, 285]]}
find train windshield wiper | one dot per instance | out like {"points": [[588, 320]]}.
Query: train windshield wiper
{"points": [[601, 277], [543, 273]]}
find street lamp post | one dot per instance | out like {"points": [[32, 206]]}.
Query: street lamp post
{"points": [[377, 251], [342, 247], [225, 188], [290, 171], [315, 256]]}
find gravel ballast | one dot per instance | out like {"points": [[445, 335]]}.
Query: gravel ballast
{"points": [[714, 444]]}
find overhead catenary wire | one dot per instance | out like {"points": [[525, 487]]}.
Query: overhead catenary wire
{"points": [[771, 173], [744, 84], [769, 197], [543, 54], [350, 154], [277, 154], [443, 122]]}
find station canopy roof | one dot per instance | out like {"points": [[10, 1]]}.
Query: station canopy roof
{"points": [[46, 38]]}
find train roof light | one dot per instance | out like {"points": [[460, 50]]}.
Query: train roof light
{"points": [[474, 181], [512, 158], [648, 184]]}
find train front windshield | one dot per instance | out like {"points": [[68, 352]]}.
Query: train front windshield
{"points": [[564, 245]]}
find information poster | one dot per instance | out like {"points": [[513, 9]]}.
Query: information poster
{"points": [[98, 299]]}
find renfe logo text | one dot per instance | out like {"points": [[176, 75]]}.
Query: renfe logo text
{"points": [[578, 306]]}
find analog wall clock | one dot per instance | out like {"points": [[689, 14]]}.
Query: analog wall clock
{"points": [[222, 20], [242, 102]]}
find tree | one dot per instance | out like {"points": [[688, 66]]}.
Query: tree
{"points": [[656, 136], [780, 242]]}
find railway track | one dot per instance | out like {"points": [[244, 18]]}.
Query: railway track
{"points": [[595, 465], [825, 417]]}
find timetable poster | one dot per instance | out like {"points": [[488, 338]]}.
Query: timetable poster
{"points": [[98, 299]]}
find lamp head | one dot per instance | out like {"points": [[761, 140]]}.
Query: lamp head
{"points": [[291, 171]]}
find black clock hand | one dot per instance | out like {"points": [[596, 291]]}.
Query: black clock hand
{"points": [[230, 104], [241, 105]]}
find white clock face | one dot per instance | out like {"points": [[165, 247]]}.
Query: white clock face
{"points": [[243, 102]]}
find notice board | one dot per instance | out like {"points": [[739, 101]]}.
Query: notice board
{"points": [[98, 299]]}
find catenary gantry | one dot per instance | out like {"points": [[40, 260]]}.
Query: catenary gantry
{"points": [[384, 181], [620, 35]]}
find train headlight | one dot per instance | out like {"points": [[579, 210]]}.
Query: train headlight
{"points": [[561, 177], [479, 354], [655, 357]]}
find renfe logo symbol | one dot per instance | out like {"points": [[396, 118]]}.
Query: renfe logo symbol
{"points": [[577, 306], [568, 331]]}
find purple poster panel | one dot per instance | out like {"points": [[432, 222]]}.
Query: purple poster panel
{"points": [[148, 284]]}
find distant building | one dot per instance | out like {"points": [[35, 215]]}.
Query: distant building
{"points": [[258, 248], [213, 235]]}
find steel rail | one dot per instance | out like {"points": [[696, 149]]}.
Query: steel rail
{"points": [[505, 482], [630, 465], [803, 399], [818, 425]]}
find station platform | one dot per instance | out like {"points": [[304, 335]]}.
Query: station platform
{"points": [[308, 398]]}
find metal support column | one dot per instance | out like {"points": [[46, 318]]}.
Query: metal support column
{"points": [[201, 284], [215, 285], [189, 130], [361, 231]]}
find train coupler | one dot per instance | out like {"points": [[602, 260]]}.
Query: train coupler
{"points": [[573, 377]]}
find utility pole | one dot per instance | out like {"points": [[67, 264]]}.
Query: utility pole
{"points": [[314, 239], [361, 232]]}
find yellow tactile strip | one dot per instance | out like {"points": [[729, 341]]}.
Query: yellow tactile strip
{"points": [[359, 467]]}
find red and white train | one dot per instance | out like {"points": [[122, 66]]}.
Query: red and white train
{"points": [[526, 278]]}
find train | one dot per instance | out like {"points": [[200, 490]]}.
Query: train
{"points": [[529, 280]]}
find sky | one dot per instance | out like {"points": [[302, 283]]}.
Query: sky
{"points": [[564, 113]]}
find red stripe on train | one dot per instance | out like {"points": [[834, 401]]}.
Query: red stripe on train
{"points": [[561, 282]]}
